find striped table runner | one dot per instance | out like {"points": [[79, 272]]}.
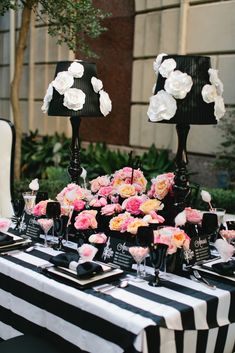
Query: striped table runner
{"points": [[180, 317]]}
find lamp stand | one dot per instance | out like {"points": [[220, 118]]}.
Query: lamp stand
{"points": [[181, 187], [74, 168]]}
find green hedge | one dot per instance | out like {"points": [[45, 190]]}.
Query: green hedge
{"points": [[220, 198]]}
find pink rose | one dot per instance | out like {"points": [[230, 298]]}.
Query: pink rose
{"points": [[40, 208], [105, 191], [86, 220], [4, 224], [132, 205], [87, 252], [98, 202], [193, 215], [79, 205], [100, 181], [98, 238], [111, 209]]}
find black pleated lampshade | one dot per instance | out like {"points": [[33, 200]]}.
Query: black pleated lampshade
{"points": [[91, 107], [192, 109]]}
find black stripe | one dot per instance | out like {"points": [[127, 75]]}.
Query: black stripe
{"points": [[40, 254], [211, 301], [221, 339], [202, 337], [153, 339], [21, 324], [186, 311], [87, 321], [179, 341]]}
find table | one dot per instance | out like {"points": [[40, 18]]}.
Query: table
{"points": [[180, 317]]}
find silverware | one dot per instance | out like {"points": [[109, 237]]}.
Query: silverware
{"points": [[103, 288], [196, 276]]}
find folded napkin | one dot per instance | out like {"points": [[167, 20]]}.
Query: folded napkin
{"points": [[70, 260], [6, 239], [65, 259], [88, 269], [225, 268]]}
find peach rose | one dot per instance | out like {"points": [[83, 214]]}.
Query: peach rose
{"points": [[133, 226], [126, 190], [151, 205]]}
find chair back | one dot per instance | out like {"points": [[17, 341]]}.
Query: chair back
{"points": [[7, 153]]}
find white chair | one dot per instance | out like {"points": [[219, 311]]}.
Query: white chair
{"points": [[7, 152]]}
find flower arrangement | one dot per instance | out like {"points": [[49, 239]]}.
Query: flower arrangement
{"points": [[174, 237], [75, 98]]}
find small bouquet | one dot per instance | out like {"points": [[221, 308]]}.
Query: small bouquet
{"points": [[174, 237]]}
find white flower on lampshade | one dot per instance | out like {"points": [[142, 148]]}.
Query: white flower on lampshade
{"points": [[178, 84], [214, 80], [76, 69], [63, 81], [105, 103], [213, 94], [96, 84], [47, 98], [166, 67], [74, 99], [157, 62], [209, 93], [219, 108], [162, 107]]}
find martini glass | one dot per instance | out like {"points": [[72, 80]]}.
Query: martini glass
{"points": [[138, 253], [46, 225]]}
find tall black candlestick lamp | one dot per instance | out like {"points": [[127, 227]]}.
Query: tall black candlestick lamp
{"points": [[190, 110], [91, 108]]}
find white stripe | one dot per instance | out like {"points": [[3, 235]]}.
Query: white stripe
{"points": [[211, 340], [7, 332], [222, 295], [72, 333], [230, 339], [171, 315], [199, 306], [190, 341], [167, 341]]}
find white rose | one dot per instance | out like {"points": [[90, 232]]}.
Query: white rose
{"points": [[167, 67], [34, 185], [162, 107], [105, 103], [63, 81], [219, 108], [209, 93], [178, 84], [47, 98], [74, 99], [76, 69], [214, 80], [96, 84], [157, 62]]}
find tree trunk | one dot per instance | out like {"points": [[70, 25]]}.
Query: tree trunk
{"points": [[15, 84]]}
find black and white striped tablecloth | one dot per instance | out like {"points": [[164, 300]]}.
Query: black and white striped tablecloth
{"points": [[180, 317]]}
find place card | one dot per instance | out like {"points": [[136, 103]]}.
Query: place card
{"points": [[29, 226], [116, 251], [200, 248]]}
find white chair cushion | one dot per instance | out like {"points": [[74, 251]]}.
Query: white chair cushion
{"points": [[6, 141]]}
